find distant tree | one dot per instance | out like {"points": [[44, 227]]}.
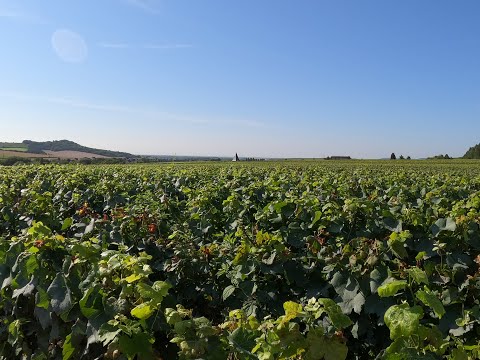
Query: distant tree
{"points": [[409, 158], [401, 157], [10, 161], [393, 157], [473, 152], [441, 157]]}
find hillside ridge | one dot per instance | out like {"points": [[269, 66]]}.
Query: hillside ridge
{"points": [[39, 147]]}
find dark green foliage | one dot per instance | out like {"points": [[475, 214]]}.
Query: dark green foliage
{"points": [[327, 260], [473, 152], [441, 157], [9, 161]]}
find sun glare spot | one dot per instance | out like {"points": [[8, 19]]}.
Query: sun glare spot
{"points": [[69, 46]]}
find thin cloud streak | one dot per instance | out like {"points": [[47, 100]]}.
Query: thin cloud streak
{"points": [[10, 14], [114, 45], [159, 115], [167, 46], [107, 45], [144, 5], [23, 17]]}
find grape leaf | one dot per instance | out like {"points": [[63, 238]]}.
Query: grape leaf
{"points": [[403, 320]]}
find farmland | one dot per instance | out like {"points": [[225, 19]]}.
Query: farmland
{"points": [[272, 260], [13, 146], [20, 154], [59, 149], [22, 149]]}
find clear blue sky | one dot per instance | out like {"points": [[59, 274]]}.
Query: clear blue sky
{"points": [[271, 78]]}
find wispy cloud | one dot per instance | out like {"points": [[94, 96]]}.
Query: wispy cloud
{"points": [[114, 45], [167, 46], [88, 105], [22, 17], [73, 102], [150, 6], [9, 14], [148, 113]]}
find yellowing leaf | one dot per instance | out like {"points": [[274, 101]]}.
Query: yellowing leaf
{"points": [[292, 309], [391, 288], [132, 278], [142, 311]]}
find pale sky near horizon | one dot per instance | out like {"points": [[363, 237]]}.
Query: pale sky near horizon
{"points": [[271, 78]]}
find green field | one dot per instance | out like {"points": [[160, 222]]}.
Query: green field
{"points": [[264, 260], [10, 146], [23, 149]]}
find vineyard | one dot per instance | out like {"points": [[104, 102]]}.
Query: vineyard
{"points": [[281, 260]]}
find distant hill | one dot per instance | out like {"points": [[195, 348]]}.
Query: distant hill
{"points": [[47, 147], [473, 152]]}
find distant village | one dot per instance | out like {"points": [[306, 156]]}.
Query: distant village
{"points": [[336, 157]]}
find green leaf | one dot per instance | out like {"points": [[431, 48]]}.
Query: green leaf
{"points": [[156, 293], [377, 277], [279, 205], [67, 223], [172, 316], [139, 344], [38, 230], [447, 224], [41, 299], [431, 300], [242, 340], [108, 333], [352, 302], [348, 289], [403, 320], [459, 354], [391, 288], [320, 347], [91, 306], [318, 215], [143, 311], [60, 296], [418, 275], [398, 249], [146, 291], [228, 291], [161, 287], [392, 224], [337, 317], [26, 290], [68, 349], [31, 264], [420, 255]]}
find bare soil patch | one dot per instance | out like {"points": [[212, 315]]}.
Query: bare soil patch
{"points": [[66, 154], [23, 154]]}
